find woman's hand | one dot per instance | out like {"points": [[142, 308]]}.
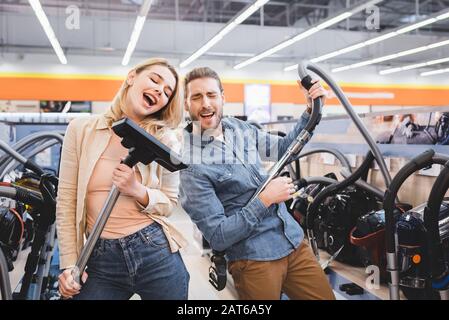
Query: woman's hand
{"points": [[315, 91], [124, 178], [67, 285]]}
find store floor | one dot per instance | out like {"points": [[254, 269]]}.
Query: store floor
{"points": [[198, 263]]}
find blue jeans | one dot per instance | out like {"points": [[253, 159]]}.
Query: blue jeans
{"points": [[140, 263]]}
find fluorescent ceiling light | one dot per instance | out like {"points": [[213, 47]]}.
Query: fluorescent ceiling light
{"points": [[431, 73], [291, 68], [323, 25], [138, 26], [413, 66], [437, 17], [42, 17], [416, 26], [380, 38], [443, 16], [411, 51], [247, 12], [332, 21], [392, 56], [438, 44]]}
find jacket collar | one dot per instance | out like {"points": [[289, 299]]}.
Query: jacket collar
{"points": [[101, 123], [202, 141]]}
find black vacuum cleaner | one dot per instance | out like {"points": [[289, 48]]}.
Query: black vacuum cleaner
{"points": [[337, 222], [437, 234], [407, 257], [43, 205], [43, 212]]}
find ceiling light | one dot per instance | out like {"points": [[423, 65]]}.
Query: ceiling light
{"points": [[392, 56], [413, 66], [323, 25], [431, 73], [247, 12], [138, 26], [401, 30], [42, 17]]}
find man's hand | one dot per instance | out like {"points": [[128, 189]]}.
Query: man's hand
{"points": [[315, 91], [278, 190], [67, 285]]}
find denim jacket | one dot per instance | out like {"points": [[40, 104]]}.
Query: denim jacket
{"points": [[222, 177]]}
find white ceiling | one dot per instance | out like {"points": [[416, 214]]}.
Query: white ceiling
{"points": [[175, 29]]}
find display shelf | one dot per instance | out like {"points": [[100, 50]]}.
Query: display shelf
{"points": [[36, 118], [406, 151]]}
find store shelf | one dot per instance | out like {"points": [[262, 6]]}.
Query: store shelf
{"points": [[388, 150]]}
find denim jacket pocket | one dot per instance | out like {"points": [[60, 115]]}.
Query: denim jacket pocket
{"points": [[231, 180], [224, 177]]}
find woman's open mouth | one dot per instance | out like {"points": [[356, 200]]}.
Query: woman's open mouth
{"points": [[149, 99]]}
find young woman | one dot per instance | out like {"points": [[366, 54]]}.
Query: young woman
{"points": [[138, 249]]}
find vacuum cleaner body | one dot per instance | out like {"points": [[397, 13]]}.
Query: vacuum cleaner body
{"points": [[414, 271], [413, 254]]}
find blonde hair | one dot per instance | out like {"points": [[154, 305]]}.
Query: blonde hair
{"points": [[169, 117]]}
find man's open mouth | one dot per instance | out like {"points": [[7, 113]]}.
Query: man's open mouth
{"points": [[207, 115]]}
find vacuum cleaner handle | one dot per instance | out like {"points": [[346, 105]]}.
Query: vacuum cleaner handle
{"points": [[336, 153], [306, 82], [100, 223], [303, 137], [28, 163], [22, 195]]}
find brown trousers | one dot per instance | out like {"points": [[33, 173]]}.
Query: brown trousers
{"points": [[298, 275]]}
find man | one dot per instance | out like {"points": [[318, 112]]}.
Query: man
{"points": [[263, 243]]}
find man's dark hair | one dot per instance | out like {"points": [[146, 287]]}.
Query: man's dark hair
{"points": [[203, 72]]}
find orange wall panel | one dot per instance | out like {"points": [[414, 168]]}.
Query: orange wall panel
{"points": [[234, 92], [58, 89], [91, 88], [413, 96], [285, 93]]}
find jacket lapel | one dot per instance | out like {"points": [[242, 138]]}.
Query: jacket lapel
{"points": [[95, 145]]}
